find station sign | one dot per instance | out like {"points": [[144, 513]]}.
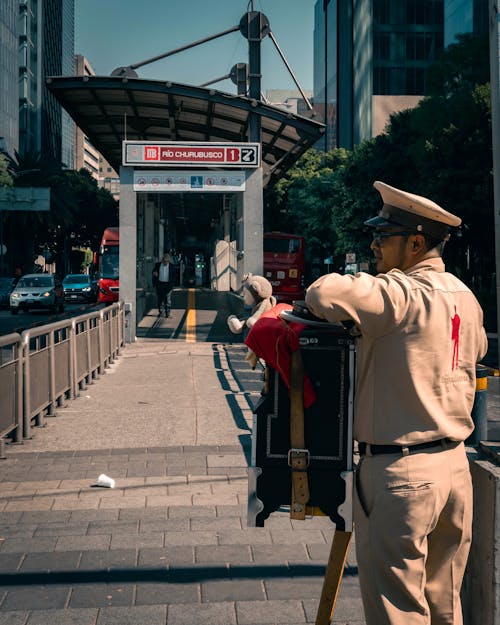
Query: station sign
{"points": [[178, 153], [188, 180]]}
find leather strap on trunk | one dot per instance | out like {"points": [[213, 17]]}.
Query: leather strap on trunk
{"points": [[298, 456]]}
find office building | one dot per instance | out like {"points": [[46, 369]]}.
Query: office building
{"points": [[46, 42], [9, 69], [370, 59], [86, 156], [290, 100], [108, 178], [464, 16]]}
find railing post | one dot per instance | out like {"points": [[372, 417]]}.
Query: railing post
{"points": [[121, 323], [26, 385], [52, 380], [18, 437], [479, 412], [100, 345], [72, 359], [87, 345], [104, 341]]}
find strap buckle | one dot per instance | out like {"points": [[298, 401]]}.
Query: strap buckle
{"points": [[296, 455]]}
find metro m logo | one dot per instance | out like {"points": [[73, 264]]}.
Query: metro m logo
{"points": [[151, 153]]}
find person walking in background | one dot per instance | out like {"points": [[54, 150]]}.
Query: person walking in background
{"points": [[420, 335], [163, 281]]}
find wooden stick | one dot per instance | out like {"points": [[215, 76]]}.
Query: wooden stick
{"points": [[333, 577]]}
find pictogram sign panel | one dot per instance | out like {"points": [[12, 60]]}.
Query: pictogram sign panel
{"points": [[165, 154], [189, 180]]}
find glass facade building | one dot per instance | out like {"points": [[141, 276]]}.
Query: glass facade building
{"points": [[464, 16], [68, 69], [407, 38], [9, 95], [30, 75], [372, 56], [46, 48], [57, 60]]}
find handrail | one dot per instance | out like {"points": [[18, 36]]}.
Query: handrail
{"points": [[53, 362], [11, 395]]}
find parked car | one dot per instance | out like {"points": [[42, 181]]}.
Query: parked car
{"points": [[37, 290], [6, 287], [80, 287]]}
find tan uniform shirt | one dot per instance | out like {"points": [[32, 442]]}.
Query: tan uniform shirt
{"points": [[421, 336]]}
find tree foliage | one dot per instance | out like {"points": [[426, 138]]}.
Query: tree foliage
{"points": [[462, 65], [79, 210], [441, 149], [5, 174]]}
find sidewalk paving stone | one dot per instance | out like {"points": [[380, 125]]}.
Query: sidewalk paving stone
{"points": [[169, 545], [103, 594], [140, 615], [79, 616], [204, 614]]}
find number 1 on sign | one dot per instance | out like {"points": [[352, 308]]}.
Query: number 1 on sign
{"points": [[233, 155]]}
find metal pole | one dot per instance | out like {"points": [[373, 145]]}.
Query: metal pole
{"points": [[186, 47], [479, 412], [1, 242], [494, 21], [273, 39], [254, 25], [211, 82]]}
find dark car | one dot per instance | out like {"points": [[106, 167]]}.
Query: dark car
{"points": [[79, 287], [6, 287], [37, 290]]}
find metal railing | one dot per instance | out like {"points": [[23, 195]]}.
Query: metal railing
{"points": [[11, 387], [48, 364]]}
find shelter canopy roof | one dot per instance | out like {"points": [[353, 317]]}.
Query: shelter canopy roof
{"points": [[109, 109]]}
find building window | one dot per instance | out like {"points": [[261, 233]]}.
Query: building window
{"points": [[382, 46], [424, 12], [382, 11], [415, 81]]}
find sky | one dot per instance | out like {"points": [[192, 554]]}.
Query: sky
{"points": [[113, 33]]}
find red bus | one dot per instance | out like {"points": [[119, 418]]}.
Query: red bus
{"points": [[108, 264], [284, 265]]}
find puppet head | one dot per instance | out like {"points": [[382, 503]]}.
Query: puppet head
{"points": [[257, 295], [256, 289]]}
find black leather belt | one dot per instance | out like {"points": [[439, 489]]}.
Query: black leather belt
{"points": [[375, 450]]}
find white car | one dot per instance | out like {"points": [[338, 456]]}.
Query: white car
{"points": [[37, 290]]}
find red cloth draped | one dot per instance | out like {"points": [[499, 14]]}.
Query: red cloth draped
{"points": [[274, 340]]}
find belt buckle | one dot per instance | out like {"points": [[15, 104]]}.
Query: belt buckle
{"points": [[298, 451]]}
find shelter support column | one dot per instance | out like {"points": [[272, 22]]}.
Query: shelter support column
{"points": [[253, 218], [128, 250], [494, 39], [481, 587]]}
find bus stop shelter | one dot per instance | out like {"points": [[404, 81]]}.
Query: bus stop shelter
{"points": [[114, 109]]}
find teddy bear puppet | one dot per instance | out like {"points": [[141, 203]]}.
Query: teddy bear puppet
{"points": [[257, 294]]}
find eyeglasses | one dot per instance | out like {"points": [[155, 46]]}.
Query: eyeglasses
{"points": [[378, 237]]}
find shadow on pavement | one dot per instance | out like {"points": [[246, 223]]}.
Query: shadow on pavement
{"points": [[171, 575]]}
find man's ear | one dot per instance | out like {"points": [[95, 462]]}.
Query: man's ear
{"points": [[418, 243]]}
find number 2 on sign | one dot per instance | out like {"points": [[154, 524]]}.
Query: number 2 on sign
{"points": [[248, 155]]}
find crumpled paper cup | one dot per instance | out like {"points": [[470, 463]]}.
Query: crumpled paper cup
{"points": [[105, 481]]}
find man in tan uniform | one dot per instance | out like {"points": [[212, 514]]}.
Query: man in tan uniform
{"points": [[421, 334]]}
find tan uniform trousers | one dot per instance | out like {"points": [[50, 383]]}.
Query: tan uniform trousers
{"points": [[413, 525]]}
